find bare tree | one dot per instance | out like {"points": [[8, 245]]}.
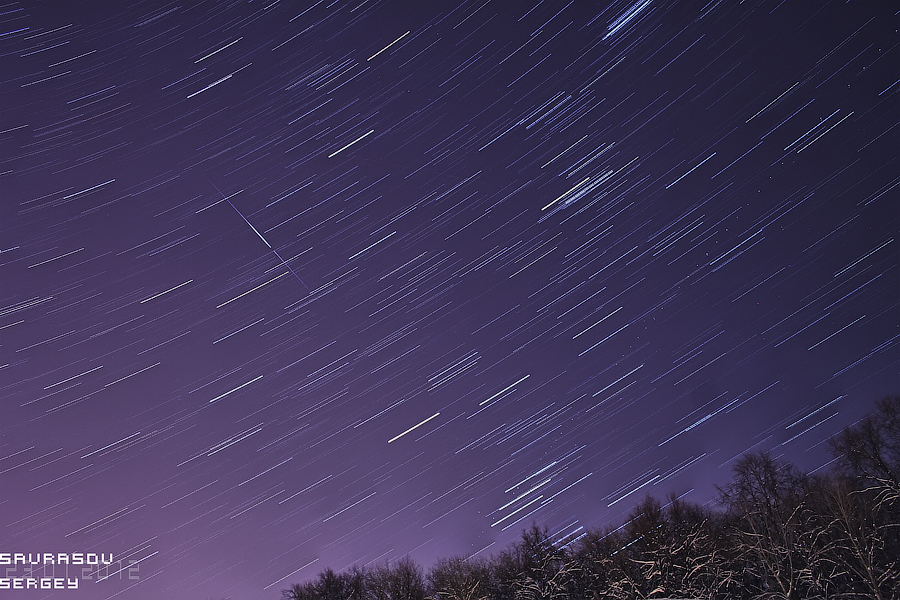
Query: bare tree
{"points": [[301, 591], [401, 581], [330, 586], [871, 450], [546, 572], [606, 564], [863, 542], [766, 498], [700, 568], [648, 532], [458, 578], [677, 550]]}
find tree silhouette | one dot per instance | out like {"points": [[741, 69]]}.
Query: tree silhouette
{"points": [[766, 502], [870, 450], [456, 578], [782, 534], [401, 581]]}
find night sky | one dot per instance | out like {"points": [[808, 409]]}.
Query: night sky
{"points": [[288, 286]]}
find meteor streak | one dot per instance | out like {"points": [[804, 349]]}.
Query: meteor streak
{"points": [[284, 262]]}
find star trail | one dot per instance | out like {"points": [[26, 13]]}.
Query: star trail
{"points": [[287, 286]]}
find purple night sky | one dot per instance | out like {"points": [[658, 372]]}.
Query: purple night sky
{"points": [[290, 285]]}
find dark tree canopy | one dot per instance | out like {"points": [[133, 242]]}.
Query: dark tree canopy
{"points": [[870, 450], [780, 534]]}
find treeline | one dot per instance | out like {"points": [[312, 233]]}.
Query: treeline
{"points": [[778, 534]]}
